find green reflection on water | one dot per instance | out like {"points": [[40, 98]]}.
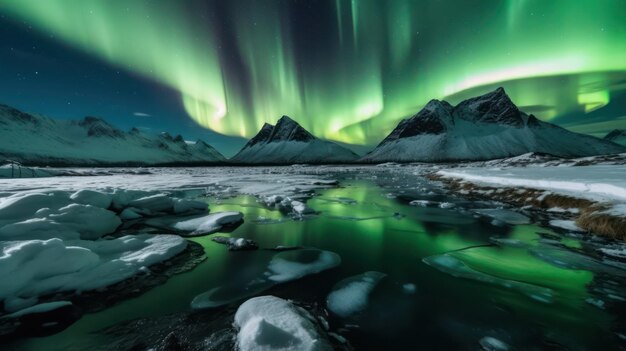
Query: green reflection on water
{"points": [[381, 234]]}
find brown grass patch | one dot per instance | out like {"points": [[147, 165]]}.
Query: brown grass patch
{"points": [[591, 217]]}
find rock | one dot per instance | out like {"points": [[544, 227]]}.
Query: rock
{"points": [[236, 244]]}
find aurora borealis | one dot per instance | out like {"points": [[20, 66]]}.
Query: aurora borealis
{"points": [[348, 70]]}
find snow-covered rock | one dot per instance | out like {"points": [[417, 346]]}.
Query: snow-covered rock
{"points": [[93, 198], [566, 224], [70, 222], [154, 203], [268, 323], [489, 343], [289, 143], [32, 268], [287, 205], [90, 141], [25, 205], [182, 206], [482, 128], [208, 224], [91, 222], [351, 295], [236, 244], [129, 214]]}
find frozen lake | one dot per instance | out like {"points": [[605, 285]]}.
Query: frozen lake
{"points": [[457, 273]]}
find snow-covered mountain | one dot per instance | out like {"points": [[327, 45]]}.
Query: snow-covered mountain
{"points": [[38, 140], [481, 128], [287, 142], [617, 136]]}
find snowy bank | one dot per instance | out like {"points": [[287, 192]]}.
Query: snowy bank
{"points": [[594, 196], [33, 268]]}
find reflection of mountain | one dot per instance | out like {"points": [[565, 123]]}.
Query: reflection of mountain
{"points": [[90, 142], [287, 142], [486, 127]]}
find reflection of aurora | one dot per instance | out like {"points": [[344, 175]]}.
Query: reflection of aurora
{"points": [[359, 66]]}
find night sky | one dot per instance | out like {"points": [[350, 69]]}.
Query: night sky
{"points": [[346, 70]]}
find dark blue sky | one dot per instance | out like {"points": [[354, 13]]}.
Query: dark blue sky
{"points": [[40, 74]]}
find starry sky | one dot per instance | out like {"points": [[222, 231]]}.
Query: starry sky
{"points": [[347, 70]]}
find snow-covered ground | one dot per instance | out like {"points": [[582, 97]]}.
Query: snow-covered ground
{"points": [[596, 182], [55, 231]]}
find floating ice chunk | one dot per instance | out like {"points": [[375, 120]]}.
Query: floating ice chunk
{"points": [[236, 244], [565, 224], [283, 267], [446, 205], [34, 268], [186, 206], [91, 222], [421, 203], [301, 208], [291, 265], [93, 198], [506, 216], [489, 343], [596, 302], [271, 323], [154, 203], [567, 259], [409, 288], [350, 296], [453, 266], [507, 242], [210, 223], [40, 308], [287, 205]]}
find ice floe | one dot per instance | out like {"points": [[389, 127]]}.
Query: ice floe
{"points": [[208, 224], [283, 267], [291, 265], [351, 295], [453, 266], [506, 216]]}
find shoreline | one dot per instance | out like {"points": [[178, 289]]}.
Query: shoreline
{"points": [[593, 216]]}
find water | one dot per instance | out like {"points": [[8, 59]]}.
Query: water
{"points": [[371, 225]]}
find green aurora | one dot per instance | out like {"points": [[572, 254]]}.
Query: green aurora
{"points": [[349, 70]]}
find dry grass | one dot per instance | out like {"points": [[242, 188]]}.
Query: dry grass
{"points": [[591, 218]]}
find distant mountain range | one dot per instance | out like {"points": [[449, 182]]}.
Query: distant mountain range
{"points": [[482, 128], [287, 142], [38, 140]]}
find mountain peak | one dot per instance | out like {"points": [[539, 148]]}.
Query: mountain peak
{"points": [[287, 129], [493, 107], [97, 127], [434, 118]]}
